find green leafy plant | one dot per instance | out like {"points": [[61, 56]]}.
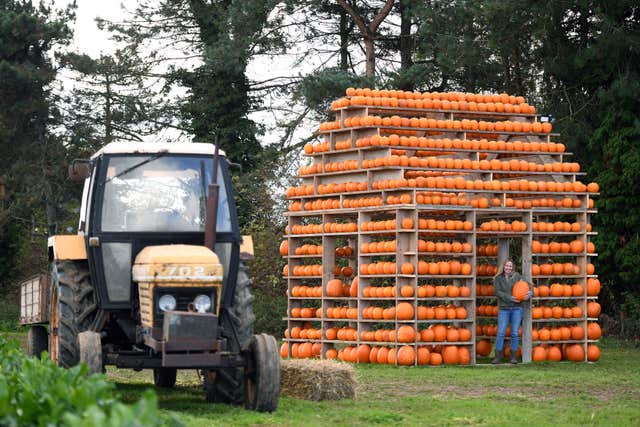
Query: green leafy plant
{"points": [[36, 392]]}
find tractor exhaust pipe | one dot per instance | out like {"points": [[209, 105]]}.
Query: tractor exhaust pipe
{"points": [[212, 203]]}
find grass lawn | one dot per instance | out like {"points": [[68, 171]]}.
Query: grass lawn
{"points": [[604, 393]]}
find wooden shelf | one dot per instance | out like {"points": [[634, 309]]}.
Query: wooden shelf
{"points": [[377, 193], [448, 254], [561, 319], [461, 132], [425, 111], [570, 255], [363, 171]]}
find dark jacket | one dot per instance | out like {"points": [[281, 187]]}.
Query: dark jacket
{"points": [[502, 288]]}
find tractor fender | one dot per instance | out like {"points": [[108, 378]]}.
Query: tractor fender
{"points": [[71, 247]]}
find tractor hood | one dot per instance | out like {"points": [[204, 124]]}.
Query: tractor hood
{"points": [[177, 263]]}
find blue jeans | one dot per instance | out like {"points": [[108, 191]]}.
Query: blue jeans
{"points": [[508, 316]]}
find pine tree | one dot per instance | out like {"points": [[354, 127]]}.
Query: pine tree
{"points": [[114, 99], [30, 165]]}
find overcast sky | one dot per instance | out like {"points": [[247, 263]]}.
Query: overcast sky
{"points": [[87, 37]]}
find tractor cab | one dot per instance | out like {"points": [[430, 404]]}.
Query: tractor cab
{"points": [[141, 195]]}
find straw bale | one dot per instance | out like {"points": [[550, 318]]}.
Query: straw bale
{"points": [[317, 379]]}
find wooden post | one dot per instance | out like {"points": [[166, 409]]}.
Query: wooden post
{"points": [[526, 274]]}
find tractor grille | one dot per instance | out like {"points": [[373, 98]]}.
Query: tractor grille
{"points": [[184, 297]]}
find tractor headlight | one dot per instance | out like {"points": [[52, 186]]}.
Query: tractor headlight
{"points": [[202, 303], [167, 302]]}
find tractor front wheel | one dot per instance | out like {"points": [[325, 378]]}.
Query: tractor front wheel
{"points": [[164, 377], [90, 351], [262, 377]]}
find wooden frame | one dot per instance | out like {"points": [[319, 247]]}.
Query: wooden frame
{"points": [[34, 300]]}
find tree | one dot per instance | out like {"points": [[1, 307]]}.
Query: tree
{"points": [[31, 162], [114, 98], [368, 30], [218, 39], [616, 167]]}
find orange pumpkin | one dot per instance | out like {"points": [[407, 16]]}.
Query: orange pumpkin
{"points": [[539, 354], [451, 355], [593, 309], [594, 331], [554, 354], [353, 289], [483, 347], [334, 288], [362, 355], [406, 333], [405, 311], [520, 290], [593, 287], [423, 355], [435, 359], [593, 353], [575, 353], [406, 355]]}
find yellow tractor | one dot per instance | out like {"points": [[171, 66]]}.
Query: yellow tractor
{"points": [[154, 278]]}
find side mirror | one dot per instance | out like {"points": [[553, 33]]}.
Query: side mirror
{"points": [[79, 170]]}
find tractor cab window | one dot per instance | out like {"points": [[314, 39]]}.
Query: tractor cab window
{"points": [[160, 193]]}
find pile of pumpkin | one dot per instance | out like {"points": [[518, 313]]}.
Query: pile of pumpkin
{"points": [[405, 311], [547, 352], [316, 270], [570, 352], [559, 312], [565, 333], [405, 355], [394, 139], [565, 290], [440, 268]]}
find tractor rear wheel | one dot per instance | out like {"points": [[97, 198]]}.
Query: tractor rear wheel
{"points": [[37, 340], [242, 308], [164, 377], [262, 379], [73, 309]]}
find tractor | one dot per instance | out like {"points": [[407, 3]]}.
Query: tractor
{"points": [[154, 278]]}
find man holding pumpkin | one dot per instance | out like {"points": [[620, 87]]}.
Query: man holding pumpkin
{"points": [[511, 291]]}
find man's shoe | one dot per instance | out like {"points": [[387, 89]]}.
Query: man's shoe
{"points": [[498, 359], [513, 358]]}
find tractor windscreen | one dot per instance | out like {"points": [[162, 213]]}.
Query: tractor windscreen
{"points": [[160, 194]]}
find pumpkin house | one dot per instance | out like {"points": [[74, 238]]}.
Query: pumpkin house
{"points": [[408, 204]]}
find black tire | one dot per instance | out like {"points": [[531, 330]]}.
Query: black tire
{"points": [[224, 385], [90, 351], [227, 385], [76, 305], [263, 378], [164, 377], [242, 308], [37, 341]]}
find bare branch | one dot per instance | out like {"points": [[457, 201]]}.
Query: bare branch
{"points": [[373, 26], [364, 29]]}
